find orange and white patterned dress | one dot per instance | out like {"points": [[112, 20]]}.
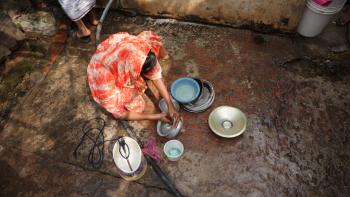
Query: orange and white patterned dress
{"points": [[114, 71]]}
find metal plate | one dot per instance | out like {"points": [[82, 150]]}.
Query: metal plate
{"points": [[227, 121], [205, 100]]}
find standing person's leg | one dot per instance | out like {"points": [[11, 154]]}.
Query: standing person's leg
{"points": [[83, 31], [76, 10]]}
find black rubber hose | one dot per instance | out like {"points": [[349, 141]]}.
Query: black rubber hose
{"points": [[162, 176]]}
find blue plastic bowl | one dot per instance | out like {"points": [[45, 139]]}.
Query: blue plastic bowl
{"points": [[185, 90]]}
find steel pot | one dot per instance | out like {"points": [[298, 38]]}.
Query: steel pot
{"points": [[129, 159]]}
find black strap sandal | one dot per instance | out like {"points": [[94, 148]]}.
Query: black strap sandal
{"points": [[82, 39]]}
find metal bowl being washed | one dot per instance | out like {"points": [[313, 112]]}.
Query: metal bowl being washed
{"points": [[166, 130], [227, 122]]}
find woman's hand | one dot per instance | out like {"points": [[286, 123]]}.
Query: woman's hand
{"points": [[164, 118], [173, 113], [165, 94], [176, 117]]}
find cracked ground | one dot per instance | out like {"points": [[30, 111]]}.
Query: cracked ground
{"points": [[294, 92]]}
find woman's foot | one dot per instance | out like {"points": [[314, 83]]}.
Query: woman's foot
{"points": [[83, 33], [80, 37]]}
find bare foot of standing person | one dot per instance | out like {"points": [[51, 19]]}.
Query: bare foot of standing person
{"points": [[83, 33], [93, 18]]}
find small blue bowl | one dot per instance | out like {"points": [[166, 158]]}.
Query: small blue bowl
{"points": [[185, 90]]}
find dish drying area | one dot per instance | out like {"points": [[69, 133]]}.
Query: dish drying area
{"points": [[262, 115]]}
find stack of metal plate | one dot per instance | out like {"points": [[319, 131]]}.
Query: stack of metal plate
{"points": [[205, 99]]}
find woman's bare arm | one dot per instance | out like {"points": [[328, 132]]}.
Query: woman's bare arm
{"points": [[142, 116], [159, 84]]}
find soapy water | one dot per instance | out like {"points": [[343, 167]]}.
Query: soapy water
{"points": [[174, 152], [185, 92]]}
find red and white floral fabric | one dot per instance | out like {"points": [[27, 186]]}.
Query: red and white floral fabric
{"points": [[114, 71]]}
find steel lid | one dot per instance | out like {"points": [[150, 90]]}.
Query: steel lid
{"points": [[135, 156]]}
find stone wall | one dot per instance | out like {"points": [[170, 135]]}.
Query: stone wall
{"points": [[266, 15]]}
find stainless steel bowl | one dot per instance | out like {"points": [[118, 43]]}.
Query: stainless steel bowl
{"points": [[166, 130], [227, 122], [164, 107]]}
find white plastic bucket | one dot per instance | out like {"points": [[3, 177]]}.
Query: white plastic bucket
{"points": [[173, 145], [316, 17]]}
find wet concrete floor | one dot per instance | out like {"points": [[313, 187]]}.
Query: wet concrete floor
{"points": [[294, 93]]}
